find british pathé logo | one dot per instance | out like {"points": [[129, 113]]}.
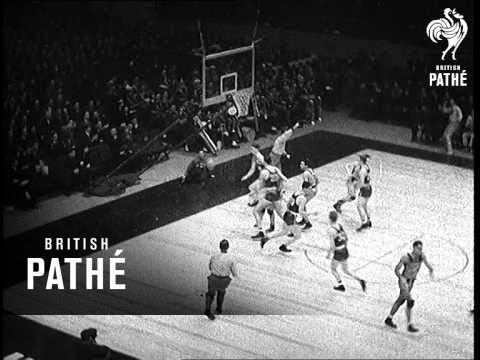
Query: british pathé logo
{"points": [[452, 27]]}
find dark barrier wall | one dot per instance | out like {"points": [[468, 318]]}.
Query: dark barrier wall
{"points": [[39, 342]]}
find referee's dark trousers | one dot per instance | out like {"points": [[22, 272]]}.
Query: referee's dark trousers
{"points": [[218, 285]]}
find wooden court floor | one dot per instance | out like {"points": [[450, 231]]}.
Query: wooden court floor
{"points": [[283, 305]]}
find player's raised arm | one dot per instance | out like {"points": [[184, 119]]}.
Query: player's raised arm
{"points": [[428, 265], [251, 171]]}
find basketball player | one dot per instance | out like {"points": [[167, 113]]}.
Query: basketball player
{"points": [[290, 226], [411, 263], [278, 149], [269, 198], [298, 202], [364, 195], [353, 181], [309, 178], [257, 163], [338, 246]]}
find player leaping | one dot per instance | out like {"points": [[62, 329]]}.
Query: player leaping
{"points": [[257, 163]]}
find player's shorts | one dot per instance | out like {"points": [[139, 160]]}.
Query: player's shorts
{"points": [[289, 218], [341, 255], [275, 196], [366, 191], [405, 290]]}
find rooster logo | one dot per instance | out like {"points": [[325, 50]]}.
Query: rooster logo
{"points": [[453, 28]]}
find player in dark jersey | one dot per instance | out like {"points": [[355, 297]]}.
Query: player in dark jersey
{"points": [[310, 179], [364, 195], [411, 263], [338, 246]]}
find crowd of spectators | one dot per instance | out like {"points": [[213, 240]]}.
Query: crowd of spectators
{"points": [[83, 93]]}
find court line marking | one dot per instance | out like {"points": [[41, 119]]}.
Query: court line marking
{"points": [[388, 252]]}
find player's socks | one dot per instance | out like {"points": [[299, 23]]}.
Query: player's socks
{"points": [[271, 228], [389, 322]]}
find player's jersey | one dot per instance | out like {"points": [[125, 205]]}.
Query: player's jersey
{"points": [[310, 178], [340, 240], [412, 266], [276, 195], [364, 178], [264, 175]]}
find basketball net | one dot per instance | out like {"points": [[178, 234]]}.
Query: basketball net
{"points": [[242, 100]]}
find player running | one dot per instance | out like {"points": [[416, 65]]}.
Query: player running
{"points": [[411, 263], [353, 181], [338, 246], [257, 163], [269, 199], [310, 179]]}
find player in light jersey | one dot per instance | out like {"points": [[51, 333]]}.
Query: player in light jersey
{"points": [[364, 194], [353, 181], [411, 263], [338, 246], [257, 163]]}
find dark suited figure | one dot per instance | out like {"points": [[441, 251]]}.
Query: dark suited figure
{"points": [[198, 171], [90, 349], [222, 266]]}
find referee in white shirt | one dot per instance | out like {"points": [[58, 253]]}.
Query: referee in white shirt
{"points": [[278, 149], [221, 265]]}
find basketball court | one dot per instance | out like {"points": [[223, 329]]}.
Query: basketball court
{"points": [[283, 305]]}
